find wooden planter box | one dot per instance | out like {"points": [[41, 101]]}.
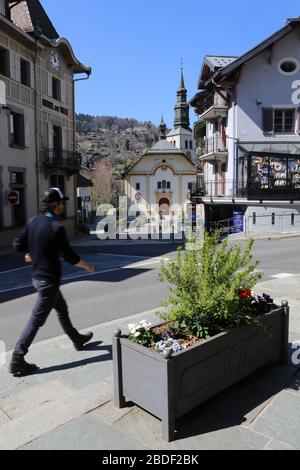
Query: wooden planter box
{"points": [[170, 387]]}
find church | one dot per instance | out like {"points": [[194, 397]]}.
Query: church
{"points": [[162, 176]]}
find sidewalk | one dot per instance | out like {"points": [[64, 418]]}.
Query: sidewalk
{"points": [[68, 405]]}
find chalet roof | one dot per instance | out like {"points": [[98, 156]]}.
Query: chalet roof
{"points": [[28, 14]]}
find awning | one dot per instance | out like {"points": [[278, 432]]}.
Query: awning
{"points": [[279, 148]]}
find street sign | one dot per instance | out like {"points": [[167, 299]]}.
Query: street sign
{"points": [[238, 222], [13, 197]]}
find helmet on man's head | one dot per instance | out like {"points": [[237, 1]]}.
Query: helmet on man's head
{"points": [[53, 195]]}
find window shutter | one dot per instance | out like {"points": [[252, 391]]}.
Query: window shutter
{"points": [[63, 91], [13, 69], [26, 131], [18, 67], [50, 136], [267, 120], [32, 80], [50, 92]]}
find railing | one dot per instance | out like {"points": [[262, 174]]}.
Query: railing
{"points": [[252, 189], [211, 145], [61, 159]]}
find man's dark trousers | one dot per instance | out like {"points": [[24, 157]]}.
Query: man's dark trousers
{"points": [[49, 297]]}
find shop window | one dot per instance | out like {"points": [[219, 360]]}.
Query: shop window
{"points": [[4, 62], [17, 131], [25, 72], [284, 121]]}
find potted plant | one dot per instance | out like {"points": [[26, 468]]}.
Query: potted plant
{"points": [[213, 333]]}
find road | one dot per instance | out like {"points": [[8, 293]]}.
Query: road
{"points": [[126, 282]]}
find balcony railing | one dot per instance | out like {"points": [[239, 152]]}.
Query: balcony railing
{"points": [[211, 146], [63, 159], [275, 189]]}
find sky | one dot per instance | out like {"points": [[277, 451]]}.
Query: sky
{"points": [[135, 47]]}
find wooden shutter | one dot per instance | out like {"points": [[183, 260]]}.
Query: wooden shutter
{"points": [[26, 131], [267, 120], [13, 68], [50, 91]]}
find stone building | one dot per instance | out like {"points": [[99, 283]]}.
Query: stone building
{"points": [[37, 124]]}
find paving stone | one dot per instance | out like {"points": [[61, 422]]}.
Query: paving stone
{"points": [[203, 431], [281, 421], [25, 401], [3, 418], [109, 413], [240, 404], [45, 419], [276, 445], [271, 378], [85, 433]]}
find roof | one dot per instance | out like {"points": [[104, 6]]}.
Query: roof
{"points": [[179, 131], [83, 182], [219, 61], [163, 146], [28, 14], [228, 69], [289, 148]]}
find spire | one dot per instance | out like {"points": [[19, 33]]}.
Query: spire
{"points": [[162, 129], [182, 108]]}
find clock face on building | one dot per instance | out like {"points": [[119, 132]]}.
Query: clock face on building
{"points": [[54, 60]]}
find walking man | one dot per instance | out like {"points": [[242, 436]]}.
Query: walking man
{"points": [[44, 241]]}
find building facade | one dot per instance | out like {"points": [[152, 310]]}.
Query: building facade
{"points": [[248, 134], [162, 177], [37, 125]]}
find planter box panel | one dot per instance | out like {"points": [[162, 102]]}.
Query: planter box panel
{"points": [[169, 388], [144, 379]]}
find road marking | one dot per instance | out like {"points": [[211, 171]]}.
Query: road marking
{"points": [[282, 275], [84, 275], [15, 269]]}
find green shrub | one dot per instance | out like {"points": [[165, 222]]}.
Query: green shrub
{"points": [[205, 283]]}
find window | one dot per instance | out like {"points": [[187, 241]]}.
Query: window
{"points": [[159, 185], [273, 218], [164, 184], [191, 145], [284, 121], [4, 62], [292, 219], [138, 186], [288, 66], [186, 144], [254, 218], [168, 184], [25, 72], [56, 89], [17, 132]]}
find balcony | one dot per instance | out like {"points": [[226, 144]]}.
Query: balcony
{"points": [[214, 112], [64, 160], [212, 149], [251, 189]]}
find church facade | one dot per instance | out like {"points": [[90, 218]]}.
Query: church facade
{"points": [[160, 181]]}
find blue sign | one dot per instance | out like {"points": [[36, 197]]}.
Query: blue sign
{"points": [[238, 222]]}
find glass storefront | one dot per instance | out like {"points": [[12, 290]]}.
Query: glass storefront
{"points": [[265, 175]]}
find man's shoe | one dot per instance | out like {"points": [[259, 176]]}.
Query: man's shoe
{"points": [[82, 340], [21, 368]]}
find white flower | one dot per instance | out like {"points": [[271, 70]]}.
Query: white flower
{"points": [[137, 334], [131, 326]]}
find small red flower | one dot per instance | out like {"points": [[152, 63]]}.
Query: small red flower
{"points": [[244, 293]]}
